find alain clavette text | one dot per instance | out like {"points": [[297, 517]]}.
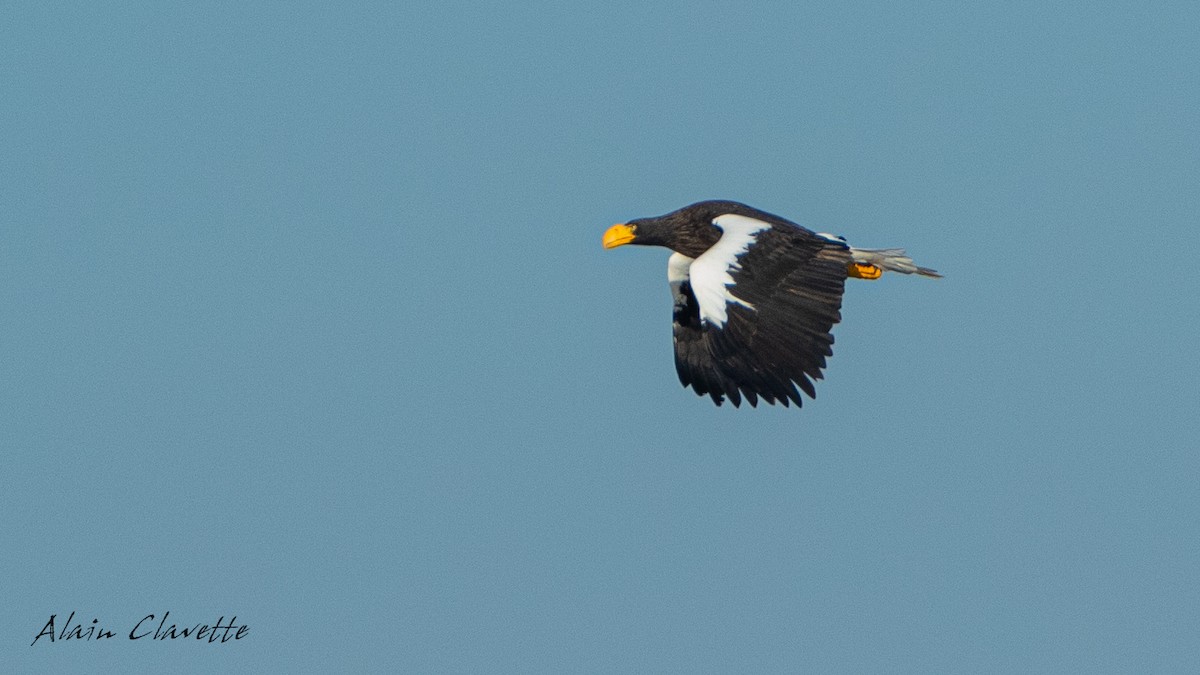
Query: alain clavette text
{"points": [[151, 627]]}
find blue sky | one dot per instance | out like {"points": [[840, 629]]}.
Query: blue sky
{"points": [[307, 321]]}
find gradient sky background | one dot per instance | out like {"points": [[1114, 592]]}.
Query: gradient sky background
{"points": [[306, 320]]}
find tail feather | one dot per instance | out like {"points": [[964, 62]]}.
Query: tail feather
{"points": [[891, 259]]}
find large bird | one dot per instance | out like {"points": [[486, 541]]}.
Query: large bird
{"points": [[755, 296]]}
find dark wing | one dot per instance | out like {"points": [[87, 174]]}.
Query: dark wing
{"points": [[771, 334], [693, 361]]}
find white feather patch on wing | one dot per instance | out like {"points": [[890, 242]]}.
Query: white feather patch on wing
{"points": [[678, 266], [712, 273]]}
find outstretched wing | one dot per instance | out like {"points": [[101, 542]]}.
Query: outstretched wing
{"points": [[753, 313], [693, 361]]}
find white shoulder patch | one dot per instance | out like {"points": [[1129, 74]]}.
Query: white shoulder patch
{"points": [[678, 267], [712, 273]]}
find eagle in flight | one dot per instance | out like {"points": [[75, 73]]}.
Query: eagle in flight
{"points": [[755, 296]]}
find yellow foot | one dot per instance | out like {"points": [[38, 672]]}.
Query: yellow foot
{"points": [[862, 271]]}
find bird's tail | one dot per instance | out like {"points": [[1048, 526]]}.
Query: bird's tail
{"points": [[890, 259]]}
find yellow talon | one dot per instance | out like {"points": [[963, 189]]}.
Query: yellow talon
{"points": [[865, 271]]}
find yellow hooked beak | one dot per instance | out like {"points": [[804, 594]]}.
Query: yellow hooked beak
{"points": [[618, 235]]}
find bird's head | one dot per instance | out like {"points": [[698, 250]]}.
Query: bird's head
{"points": [[643, 232], [689, 230]]}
